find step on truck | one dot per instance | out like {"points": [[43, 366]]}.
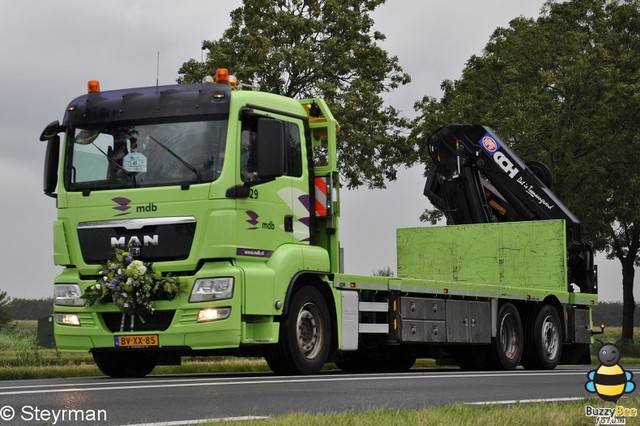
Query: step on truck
{"points": [[236, 194]]}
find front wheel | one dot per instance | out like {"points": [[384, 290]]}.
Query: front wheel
{"points": [[305, 335], [125, 364]]}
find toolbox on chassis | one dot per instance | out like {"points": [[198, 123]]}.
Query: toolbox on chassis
{"points": [[236, 192]]}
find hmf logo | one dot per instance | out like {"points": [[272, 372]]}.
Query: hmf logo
{"points": [[491, 145]]}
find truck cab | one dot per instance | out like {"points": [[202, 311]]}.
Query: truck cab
{"points": [[209, 183]]}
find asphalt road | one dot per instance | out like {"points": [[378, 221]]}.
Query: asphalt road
{"points": [[215, 396]]}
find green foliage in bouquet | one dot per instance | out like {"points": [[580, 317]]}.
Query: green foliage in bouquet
{"points": [[131, 285]]}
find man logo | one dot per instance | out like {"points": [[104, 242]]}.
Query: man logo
{"points": [[134, 241]]}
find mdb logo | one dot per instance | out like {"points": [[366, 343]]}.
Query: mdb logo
{"points": [[122, 205], [253, 219]]}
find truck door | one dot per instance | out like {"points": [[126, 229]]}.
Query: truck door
{"points": [[276, 211]]}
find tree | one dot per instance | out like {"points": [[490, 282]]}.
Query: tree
{"points": [[564, 89], [5, 314], [30, 309], [328, 49], [383, 272]]}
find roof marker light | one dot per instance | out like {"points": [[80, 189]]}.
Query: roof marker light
{"points": [[93, 86], [222, 75]]}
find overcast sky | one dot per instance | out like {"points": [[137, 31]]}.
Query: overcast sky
{"points": [[50, 50]]}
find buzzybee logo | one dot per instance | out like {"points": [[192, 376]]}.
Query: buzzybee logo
{"points": [[610, 381]]}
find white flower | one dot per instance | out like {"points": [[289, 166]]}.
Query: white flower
{"points": [[98, 286], [137, 268]]}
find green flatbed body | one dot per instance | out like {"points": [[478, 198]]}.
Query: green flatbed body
{"points": [[518, 261]]}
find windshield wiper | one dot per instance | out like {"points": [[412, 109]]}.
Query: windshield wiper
{"points": [[180, 159]]}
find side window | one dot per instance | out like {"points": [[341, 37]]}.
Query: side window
{"points": [[293, 153], [249, 150]]}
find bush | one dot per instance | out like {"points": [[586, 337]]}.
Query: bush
{"points": [[5, 312]]}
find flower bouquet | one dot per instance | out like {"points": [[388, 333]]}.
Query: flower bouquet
{"points": [[132, 286]]}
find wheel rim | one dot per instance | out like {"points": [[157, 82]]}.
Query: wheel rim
{"points": [[509, 337], [550, 337], [309, 330]]}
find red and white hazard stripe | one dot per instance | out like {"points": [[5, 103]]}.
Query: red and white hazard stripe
{"points": [[322, 190]]}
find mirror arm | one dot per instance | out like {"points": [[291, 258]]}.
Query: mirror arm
{"points": [[243, 191]]}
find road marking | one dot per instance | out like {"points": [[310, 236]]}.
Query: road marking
{"points": [[525, 401], [197, 382], [202, 421]]}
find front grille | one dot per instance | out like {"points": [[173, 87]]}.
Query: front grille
{"points": [[158, 321], [155, 239]]}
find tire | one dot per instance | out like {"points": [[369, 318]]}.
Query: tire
{"points": [[544, 348], [125, 364], [541, 171], [508, 343], [305, 335]]}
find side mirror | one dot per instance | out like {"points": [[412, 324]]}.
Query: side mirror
{"points": [[270, 148], [51, 161], [50, 131], [52, 157]]}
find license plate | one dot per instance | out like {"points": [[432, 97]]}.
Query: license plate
{"points": [[141, 341]]}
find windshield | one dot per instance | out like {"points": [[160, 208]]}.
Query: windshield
{"points": [[180, 153]]}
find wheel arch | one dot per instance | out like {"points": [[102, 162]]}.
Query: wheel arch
{"points": [[321, 283]]}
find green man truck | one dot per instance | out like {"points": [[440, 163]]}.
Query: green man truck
{"points": [[235, 194]]}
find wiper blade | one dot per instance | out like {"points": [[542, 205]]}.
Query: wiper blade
{"points": [[180, 159]]}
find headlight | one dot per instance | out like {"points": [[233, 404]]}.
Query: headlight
{"points": [[68, 319], [213, 314], [67, 294], [212, 289]]}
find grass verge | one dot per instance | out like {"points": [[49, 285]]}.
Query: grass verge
{"points": [[528, 414]]}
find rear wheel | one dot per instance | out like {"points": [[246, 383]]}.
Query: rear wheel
{"points": [[508, 343], [305, 335], [544, 349], [125, 364]]}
